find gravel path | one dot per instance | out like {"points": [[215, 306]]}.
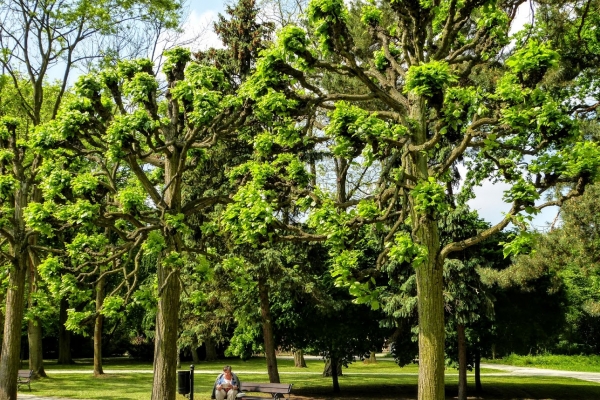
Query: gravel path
{"points": [[524, 371]]}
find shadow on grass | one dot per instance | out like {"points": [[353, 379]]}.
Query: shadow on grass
{"points": [[492, 391]]}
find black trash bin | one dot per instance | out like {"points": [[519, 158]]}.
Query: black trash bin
{"points": [[183, 382]]}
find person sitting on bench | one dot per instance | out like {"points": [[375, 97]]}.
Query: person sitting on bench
{"points": [[226, 386]]}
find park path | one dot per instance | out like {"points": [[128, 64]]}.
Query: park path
{"points": [[506, 370], [525, 371]]}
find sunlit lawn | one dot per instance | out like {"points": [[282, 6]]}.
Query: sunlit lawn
{"points": [[360, 381]]}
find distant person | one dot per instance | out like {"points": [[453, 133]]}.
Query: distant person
{"points": [[226, 385]]}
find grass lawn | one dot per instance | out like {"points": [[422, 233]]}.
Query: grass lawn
{"points": [[560, 362], [360, 381]]}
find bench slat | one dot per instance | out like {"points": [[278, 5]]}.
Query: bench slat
{"points": [[266, 387], [277, 390]]}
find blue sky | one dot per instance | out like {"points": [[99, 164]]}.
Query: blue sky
{"points": [[488, 202]]}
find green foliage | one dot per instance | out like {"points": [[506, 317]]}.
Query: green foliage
{"points": [[250, 216], [293, 39], [429, 78], [404, 249], [351, 125], [533, 57], [141, 87], [371, 15], [176, 58], [522, 191], [519, 243], [112, 307], [132, 198], [75, 321], [8, 185], [327, 17], [38, 216], [429, 197]]}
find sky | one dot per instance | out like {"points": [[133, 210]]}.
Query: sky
{"points": [[488, 201]]}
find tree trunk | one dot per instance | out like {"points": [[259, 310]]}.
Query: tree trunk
{"points": [[267, 328], [194, 351], [64, 335], [431, 319], [2, 320], [299, 361], [371, 359], [478, 387], [36, 359], [429, 272], [211, 349], [11, 342], [98, 328], [167, 326], [328, 370], [333, 369], [34, 327], [462, 362]]}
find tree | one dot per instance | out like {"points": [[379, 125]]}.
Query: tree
{"points": [[37, 38], [156, 142], [438, 86]]}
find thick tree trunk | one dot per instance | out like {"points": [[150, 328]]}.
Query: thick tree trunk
{"points": [[11, 342], [267, 328], [371, 359], [64, 335], [333, 369], [211, 349], [429, 273], [462, 362], [478, 387], [431, 319], [167, 325], [299, 361], [36, 359], [98, 328]]}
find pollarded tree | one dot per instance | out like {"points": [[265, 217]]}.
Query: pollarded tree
{"points": [[118, 120], [437, 85], [37, 39]]}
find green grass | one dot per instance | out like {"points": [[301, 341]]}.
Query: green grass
{"points": [[560, 362], [360, 381]]}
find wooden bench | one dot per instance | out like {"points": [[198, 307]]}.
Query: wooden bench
{"points": [[24, 378], [276, 390]]}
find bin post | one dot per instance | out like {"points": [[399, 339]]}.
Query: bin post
{"points": [[192, 382]]}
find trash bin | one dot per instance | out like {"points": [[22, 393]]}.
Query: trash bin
{"points": [[183, 382]]}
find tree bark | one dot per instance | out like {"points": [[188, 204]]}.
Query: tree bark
{"points": [[478, 387], [371, 359], [11, 342], [333, 369], [64, 335], [194, 351], [167, 326], [267, 328], [429, 273], [211, 349], [299, 361], [36, 359], [462, 362], [34, 325], [98, 328]]}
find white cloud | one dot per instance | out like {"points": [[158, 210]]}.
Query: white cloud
{"points": [[198, 32]]}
